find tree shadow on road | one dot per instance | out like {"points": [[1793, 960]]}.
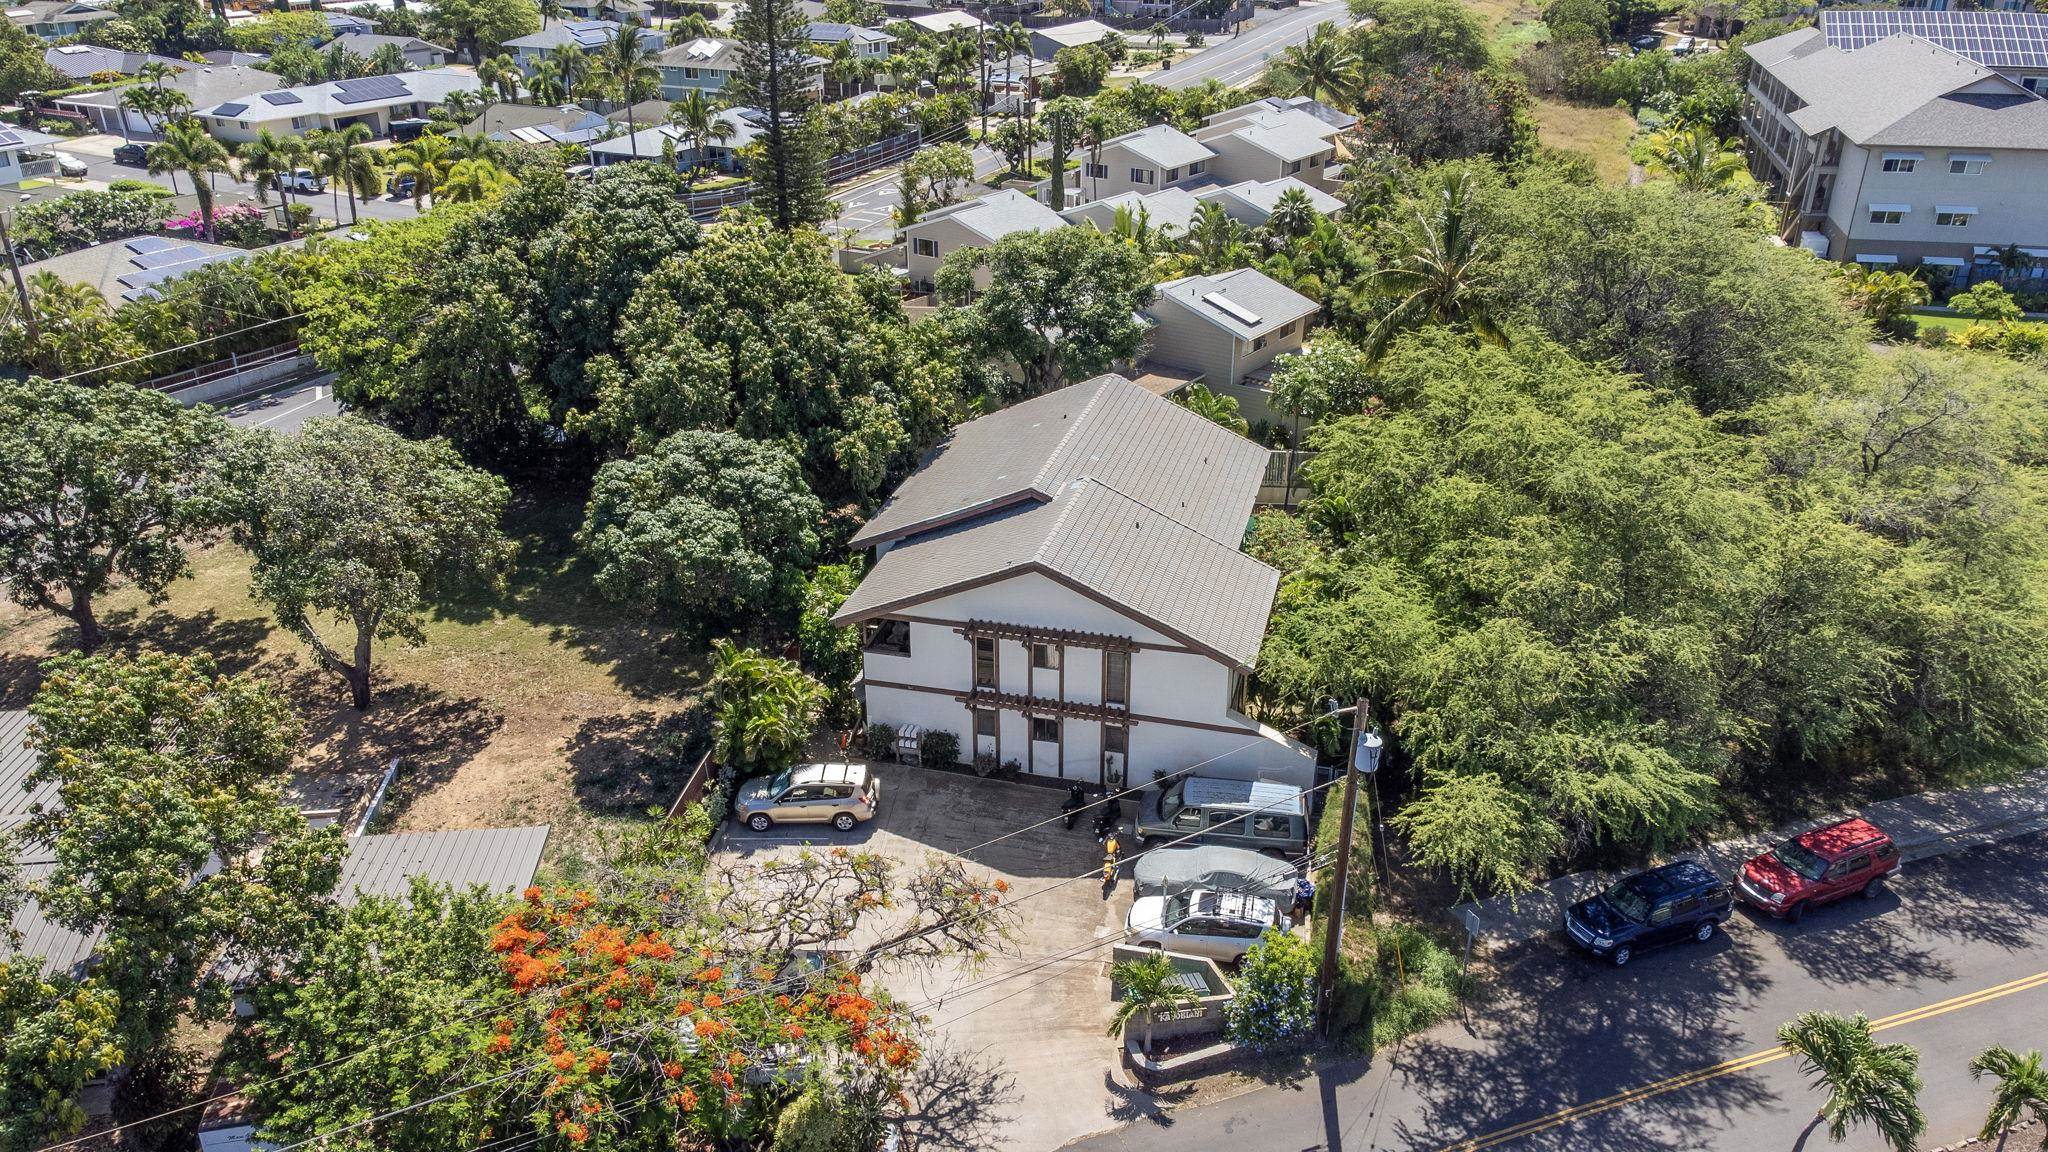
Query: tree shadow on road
{"points": [[1858, 941], [964, 1100], [1561, 1031]]}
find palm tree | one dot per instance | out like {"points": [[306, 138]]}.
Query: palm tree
{"points": [[692, 25], [1881, 296], [1217, 409], [1324, 67], [1148, 988], [1695, 159], [627, 64], [501, 75], [262, 160], [1866, 1082], [1215, 242], [764, 709], [462, 107], [573, 64], [695, 115], [1011, 40], [545, 85], [1440, 272], [549, 10], [1098, 127], [1293, 215], [387, 60], [2022, 1087], [342, 64], [187, 148], [426, 161], [340, 156], [474, 179]]}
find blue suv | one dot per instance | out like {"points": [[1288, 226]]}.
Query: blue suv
{"points": [[1678, 901]]}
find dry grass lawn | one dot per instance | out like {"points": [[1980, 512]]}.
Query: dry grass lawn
{"points": [[1599, 134], [543, 705]]}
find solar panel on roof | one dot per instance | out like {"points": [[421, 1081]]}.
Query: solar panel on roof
{"points": [[149, 277], [1992, 39], [282, 98], [10, 137], [370, 88], [231, 110], [149, 244], [165, 257]]}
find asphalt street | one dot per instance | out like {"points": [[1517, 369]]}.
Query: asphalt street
{"points": [[284, 410], [97, 153], [1241, 59], [868, 207], [1676, 1052]]}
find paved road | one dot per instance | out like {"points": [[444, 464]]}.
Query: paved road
{"points": [[869, 206], [1675, 1053], [97, 153], [1241, 59], [287, 408]]}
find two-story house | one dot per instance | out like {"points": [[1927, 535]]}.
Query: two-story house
{"points": [[1143, 161], [1228, 329], [2013, 43], [1897, 152], [1258, 142], [708, 65], [587, 35], [55, 19], [971, 224], [1061, 584]]}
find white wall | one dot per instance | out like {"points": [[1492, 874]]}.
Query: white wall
{"points": [[1168, 683]]}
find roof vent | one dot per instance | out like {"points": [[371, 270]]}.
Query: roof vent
{"points": [[1231, 308]]}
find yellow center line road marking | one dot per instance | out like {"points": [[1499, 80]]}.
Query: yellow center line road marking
{"points": [[1731, 1067]]}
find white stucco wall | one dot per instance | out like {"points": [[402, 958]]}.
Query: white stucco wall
{"points": [[1167, 683]]}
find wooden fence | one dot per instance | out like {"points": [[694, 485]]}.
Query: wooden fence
{"points": [[693, 788]]}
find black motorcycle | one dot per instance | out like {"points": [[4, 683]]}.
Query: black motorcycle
{"points": [[1112, 816], [1076, 800]]}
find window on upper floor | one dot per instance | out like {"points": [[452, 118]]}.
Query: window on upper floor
{"points": [[1294, 167], [1258, 343], [1141, 176], [1172, 174], [1098, 171], [1901, 163], [888, 638], [1887, 216], [1967, 165], [1239, 692], [1116, 678], [984, 662], [923, 247], [1045, 656], [1197, 167], [1953, 217]]}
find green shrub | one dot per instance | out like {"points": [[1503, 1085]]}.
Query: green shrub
{"points": [[144, 187], [939, 749], [881, 741], [1417, 983], [1276, 992]]}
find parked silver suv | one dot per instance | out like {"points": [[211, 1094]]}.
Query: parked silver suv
{"points": [[841, 795]]}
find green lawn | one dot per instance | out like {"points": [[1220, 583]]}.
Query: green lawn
{"points": [[1955, 323]]}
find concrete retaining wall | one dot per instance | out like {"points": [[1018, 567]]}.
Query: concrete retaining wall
{"points": [[241, 383]]}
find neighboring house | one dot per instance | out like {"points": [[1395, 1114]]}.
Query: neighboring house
{"points": [[1047, 41], [417, 52], [1336, 118], [232, 57], [709, 65], [205, 86], [373, 101], [85, 61], [1143, 161], [1256, 143], [1898, 152], [608, 11], [2013, 44], [947, 21], [55, 19], [747, 125], [1251, 202], [971, 224], [134, 269], [347, 24], [641, 114], [540, 124], [866, 43], [1168, 211], [588, 35], [1061, 584], [1228, 329], [16, 146]]}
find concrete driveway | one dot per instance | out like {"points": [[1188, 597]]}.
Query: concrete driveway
{"points": [[1023, 1062]]}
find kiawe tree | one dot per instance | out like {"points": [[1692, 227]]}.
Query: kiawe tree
{"points": [[56, 1035], [103, 485], [350, 521], [1060, 305], [168, 780]]}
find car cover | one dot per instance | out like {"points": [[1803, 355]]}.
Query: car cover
{"points": [[1216, 867]]}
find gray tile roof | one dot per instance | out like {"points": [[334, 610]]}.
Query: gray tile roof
{"points": [[1284, 134], [500, 859], [702, 53], [998, 214], [1164, 145], [205, 85], [1258, 294], [826, 32], [1265, 194], [17, 760], [365, 43], [1106, 545], [1172, 209], [1154, 451], [1902, 90], [80, 61]]}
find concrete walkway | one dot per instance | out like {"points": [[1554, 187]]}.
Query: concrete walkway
{"points": [[1925, 825]]}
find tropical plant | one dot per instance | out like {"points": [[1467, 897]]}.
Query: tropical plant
{"points": [[1214, 407], [341, 156], [2022, 1087], [1882, 295], [1275, 1001], [267, 157], [1695, 159], [1145, 989], [1986, 300], [695, 115], [1294, 214], [545, 85], [425, 161], [474, 179], [1866, 1082], [187, 148], [627, 63], [387, 60], [764, 709], [1439, 272], [574, 66], [1324, 67], [1215, 243]]}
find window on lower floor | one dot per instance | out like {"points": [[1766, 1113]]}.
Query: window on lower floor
{"points": [[985, 722], [1116, 739], [888, 638], [925, 247], [1046, 728]]}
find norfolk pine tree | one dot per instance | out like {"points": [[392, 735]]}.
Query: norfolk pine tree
{"points": [[789, 170]]}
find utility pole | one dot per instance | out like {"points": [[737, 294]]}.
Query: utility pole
{"points": [[1364, 759], [28, 312]]}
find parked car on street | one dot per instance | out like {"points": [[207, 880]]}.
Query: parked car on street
{"points": [[69, 165], [133, 155], [1850, 858], [841, 795], [1646, 42], [1220, 925], [1682, 900], [299, 180], [1254, 814]]}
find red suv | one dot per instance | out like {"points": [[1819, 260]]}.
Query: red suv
{"points": [[1823, 865]]}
